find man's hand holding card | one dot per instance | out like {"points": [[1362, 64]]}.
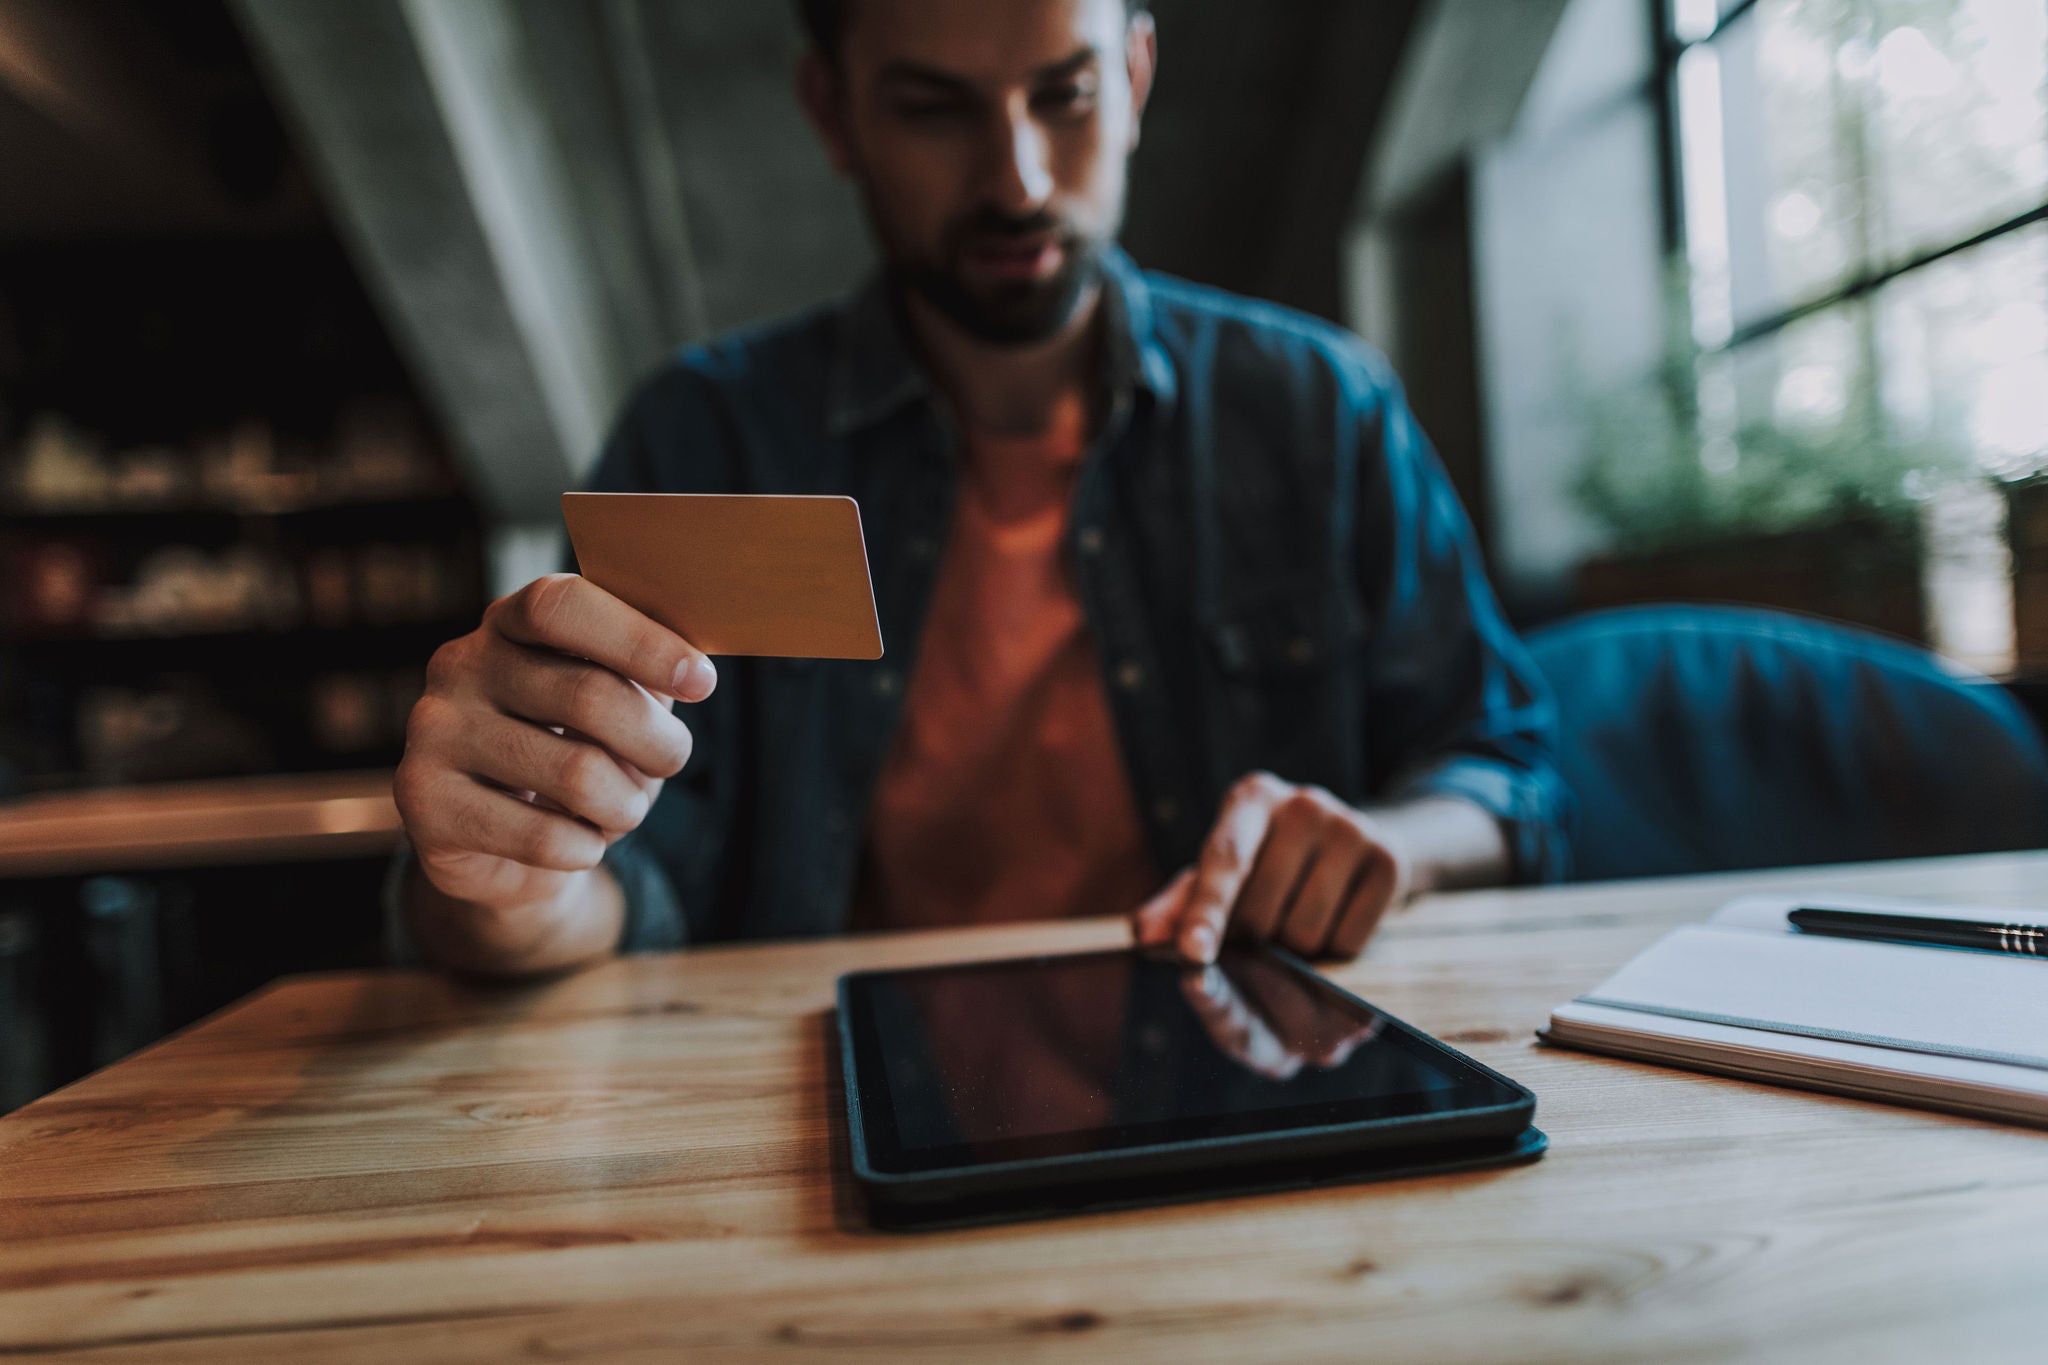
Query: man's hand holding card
{"points": [[546, 733]]}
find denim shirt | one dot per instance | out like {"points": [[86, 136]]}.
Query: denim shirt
{"points": [[1273, 564]]}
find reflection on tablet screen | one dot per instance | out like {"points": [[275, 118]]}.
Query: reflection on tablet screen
{"points": [[1107, 1050]]}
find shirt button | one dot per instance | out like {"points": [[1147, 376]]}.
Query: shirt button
{"points": [[924, 549], [1301, 649], [886, 682], [1165, 809], [1130, 675], [1090, 540]]}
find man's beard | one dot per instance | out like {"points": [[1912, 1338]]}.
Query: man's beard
{"points": [[1008, 313]]}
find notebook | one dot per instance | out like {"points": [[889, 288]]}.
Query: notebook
{"points": [[1745, 994]]}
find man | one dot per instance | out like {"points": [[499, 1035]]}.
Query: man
{"points": [[1174, 590]]}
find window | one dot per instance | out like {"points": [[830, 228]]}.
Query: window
{"points": [[1860, 188]]}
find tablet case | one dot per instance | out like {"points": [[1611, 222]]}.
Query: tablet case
{"points": [[937, 1202], [1104, 1196]]}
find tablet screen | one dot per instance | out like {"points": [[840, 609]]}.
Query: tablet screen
{"points": [[1056, 1056]]}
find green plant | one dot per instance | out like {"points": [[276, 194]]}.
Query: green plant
{"points": [[1656, 481]]}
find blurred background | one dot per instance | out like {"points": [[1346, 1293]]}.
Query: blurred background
{"points": [[309, 311]]}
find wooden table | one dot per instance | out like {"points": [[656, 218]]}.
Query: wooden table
{"points": [[298, 817], [644, 1162]]}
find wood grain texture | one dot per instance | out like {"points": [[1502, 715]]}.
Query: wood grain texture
{"points": [[293, 818], [645, 1162]]}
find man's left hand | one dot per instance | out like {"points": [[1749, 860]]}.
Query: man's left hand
{"points": [[1286, 863]]}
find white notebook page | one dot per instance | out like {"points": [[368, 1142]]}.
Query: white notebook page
{"points": [[1946, 1001]]}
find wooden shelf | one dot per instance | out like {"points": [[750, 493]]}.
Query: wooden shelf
{"points": [[288, 818], [381, 640], [103, 520]]}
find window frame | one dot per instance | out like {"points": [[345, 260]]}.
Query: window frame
{"points": [[1671, 48]]}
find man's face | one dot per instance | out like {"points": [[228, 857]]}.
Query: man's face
{"points": [[989, 140]]}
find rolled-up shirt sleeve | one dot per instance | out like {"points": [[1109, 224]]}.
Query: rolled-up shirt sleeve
{"points": [[1457, 707]]}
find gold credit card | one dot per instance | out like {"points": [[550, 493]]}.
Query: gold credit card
{"points": [[734, 573]]}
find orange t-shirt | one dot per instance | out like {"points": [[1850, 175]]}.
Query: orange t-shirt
{"points": [[1004, 795]]}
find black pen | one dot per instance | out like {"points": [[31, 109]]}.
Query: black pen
{"points": [[2015, 940]]}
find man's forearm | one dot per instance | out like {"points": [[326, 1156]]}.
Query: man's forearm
{"points": [[581, 925], [1453, 842]]}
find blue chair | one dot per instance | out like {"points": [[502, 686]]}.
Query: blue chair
{"points": [[1709, 739]]}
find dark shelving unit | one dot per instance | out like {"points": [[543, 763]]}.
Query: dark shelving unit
{"points": [[170, 284], [171, 344]]}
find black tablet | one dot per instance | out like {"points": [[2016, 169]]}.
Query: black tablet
{"points": [[1049, 1084]]}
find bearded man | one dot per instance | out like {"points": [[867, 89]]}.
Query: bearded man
{"points": [[1186, 621]]}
